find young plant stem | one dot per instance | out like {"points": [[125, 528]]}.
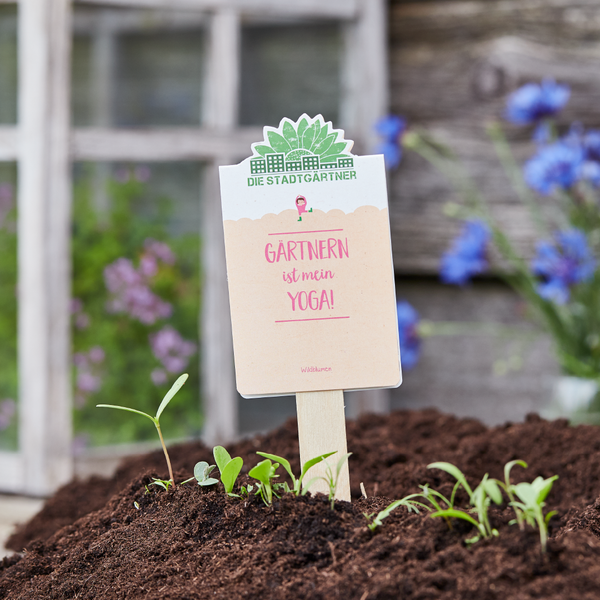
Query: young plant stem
{"points": [[164, 447]]}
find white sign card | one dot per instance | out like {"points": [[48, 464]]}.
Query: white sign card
{"points": [[309, 264]]}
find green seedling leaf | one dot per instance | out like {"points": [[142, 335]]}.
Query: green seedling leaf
{"points": [[222, 457], [163, 483], [411, 505], [543, 487], [230, 473], [508, 468], [228, 467], [455, 514], [455, 472], [493, 490], [169, 395], [202, 471], [264, 471], [174, 389], [307, 465], [282, 461], [139, 412]]}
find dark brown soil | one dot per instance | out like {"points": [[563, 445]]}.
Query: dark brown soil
{"points": [[192, 543]]}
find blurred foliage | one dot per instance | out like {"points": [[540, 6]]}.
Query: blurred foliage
{"points": [[99, 240]]}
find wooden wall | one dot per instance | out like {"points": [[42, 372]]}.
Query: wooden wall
{"points": [[452, 64]]}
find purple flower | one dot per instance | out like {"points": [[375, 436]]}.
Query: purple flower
{"points": [[160, 251], [87, 383], [142, 173], [131, 294], [96, 354], [556, 165], [171, 349], [410, 342], [8, 409], [76, 306], [467, 256], [158, 376], [80, 360], [561, 265], [148, 265], [533, 102], [122, 175], [82, 321], [391, 129]]}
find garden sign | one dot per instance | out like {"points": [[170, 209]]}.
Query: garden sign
{"points": [[311, 279]]}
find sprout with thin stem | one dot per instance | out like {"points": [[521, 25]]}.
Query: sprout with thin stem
{"points": [[168, 397]]}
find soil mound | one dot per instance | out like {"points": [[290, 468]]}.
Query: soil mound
{"points": [[109, 538]]}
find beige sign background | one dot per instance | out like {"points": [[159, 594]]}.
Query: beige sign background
{"points": [[312, 301]]}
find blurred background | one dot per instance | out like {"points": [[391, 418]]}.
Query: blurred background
{"points": [[113, 119]]}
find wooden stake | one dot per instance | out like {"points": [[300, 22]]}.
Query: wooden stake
{"points": [[322, 429]]}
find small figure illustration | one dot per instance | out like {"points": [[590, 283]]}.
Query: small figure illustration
{"points": [[301, 206]]}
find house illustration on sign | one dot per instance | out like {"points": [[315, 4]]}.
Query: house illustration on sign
{"points": [[276, 163]]}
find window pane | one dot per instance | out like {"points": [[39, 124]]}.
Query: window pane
{"points": [[288, 70], [8, 65], [8, 308], [136, 299], [137, 68]]}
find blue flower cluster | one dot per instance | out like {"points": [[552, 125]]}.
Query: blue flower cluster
{"points": [[563, 264], [468, 254], [564, 162], [410, 342], [391, 128], [532, 102]]}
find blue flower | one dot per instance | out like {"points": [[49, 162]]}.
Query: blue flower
{"points": [[561, 265], [533, 102], [391, 128], [591, 143], [467, 256], [556, 165], [410, 342]]}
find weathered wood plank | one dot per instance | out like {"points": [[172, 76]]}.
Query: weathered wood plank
{"points": [[452, 87]]}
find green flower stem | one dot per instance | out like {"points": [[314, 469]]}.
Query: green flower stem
{"points": [[513, 171]]}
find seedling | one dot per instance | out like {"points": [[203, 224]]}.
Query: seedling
{"points": [[163, 483], [202, 471], [532, 496], [412, 505], [331, 478], [169, 396], [264, 471], [228, 467], [486, 492], [296, 483], [507, 486]]}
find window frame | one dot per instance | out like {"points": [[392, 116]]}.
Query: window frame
{"points": [[44, 144]]}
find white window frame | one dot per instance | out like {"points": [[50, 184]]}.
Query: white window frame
{"points": [[44, 145]]}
